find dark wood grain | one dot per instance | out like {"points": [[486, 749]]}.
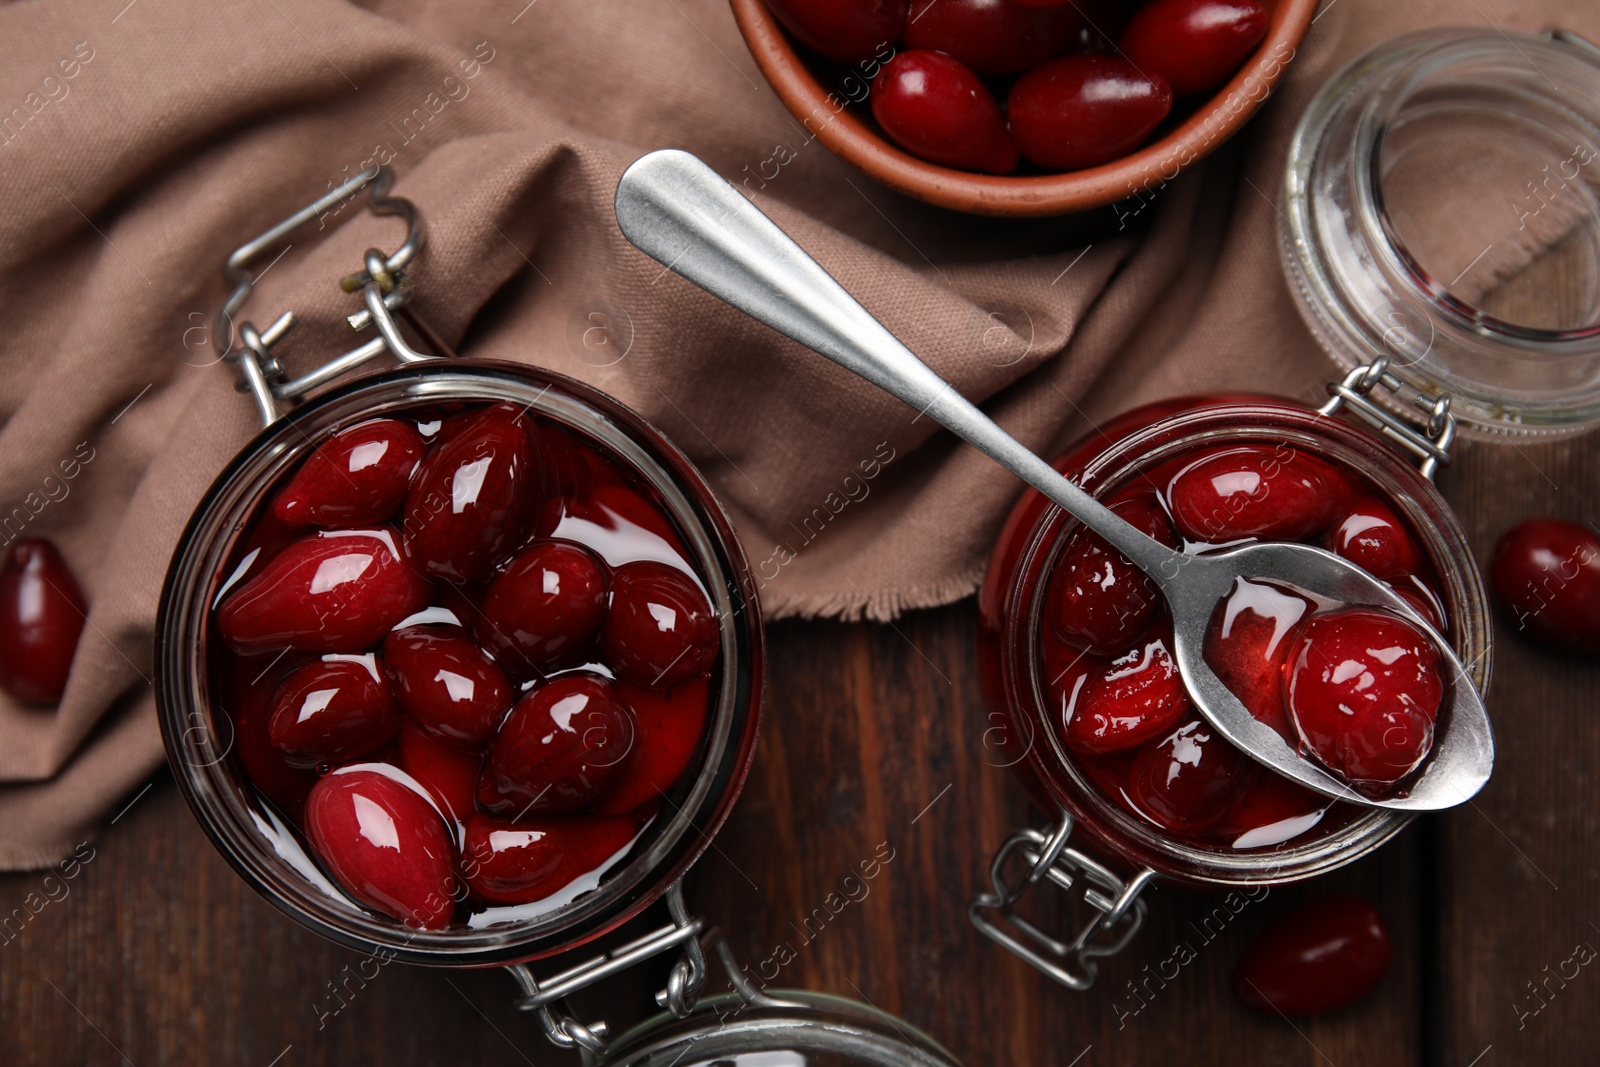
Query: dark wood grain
{"points": [[1519, 871]]}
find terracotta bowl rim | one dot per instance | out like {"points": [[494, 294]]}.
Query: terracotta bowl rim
{"points": [[829, 118]]}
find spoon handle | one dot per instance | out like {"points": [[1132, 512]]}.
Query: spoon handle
{"points": [[681, 213]]}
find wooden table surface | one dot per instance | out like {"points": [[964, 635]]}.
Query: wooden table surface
{"points": [[158, 953]]}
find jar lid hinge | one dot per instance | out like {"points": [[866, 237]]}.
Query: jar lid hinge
{"points": [[382, 282], [1119, 911], [684, 983], [1430, 442]]}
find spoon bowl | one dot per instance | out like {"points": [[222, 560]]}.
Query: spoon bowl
{"points": [[1462, 757], [678, 211]]}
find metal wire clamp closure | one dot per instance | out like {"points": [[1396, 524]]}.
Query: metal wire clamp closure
{"points": [[1430, 443], [687, 978], [1119, 911], [382, 282]]}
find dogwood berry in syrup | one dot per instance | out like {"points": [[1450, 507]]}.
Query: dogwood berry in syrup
{"points": [[1188, 780], [474, 496], [659, 631], [1364, 690], [1370, 535], [535, 858], [357, 478], [360, 696], [42, 612], [1134, 700], [545, 608], [1098, 599], [446, 684], [247, 706], [1250, 491], [337, 591], [385, 843], [563, 745], [1248, 646], [333, 710]]}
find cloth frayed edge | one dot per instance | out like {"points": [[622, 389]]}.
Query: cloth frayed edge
{"points": [[856, 605]]}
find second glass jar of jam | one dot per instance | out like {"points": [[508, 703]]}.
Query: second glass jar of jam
{"points": [[1085, 703]]}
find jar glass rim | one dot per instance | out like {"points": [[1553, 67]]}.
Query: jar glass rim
{"points": [[198, 752]]}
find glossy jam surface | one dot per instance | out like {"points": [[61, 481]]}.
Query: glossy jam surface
{"points": [[1085, 82], [467, 662], [1357, 689], [1364, 689]]}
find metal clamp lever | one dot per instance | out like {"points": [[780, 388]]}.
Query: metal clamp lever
{"points": [[382, 283], [684, 983], [1430, 443], [1072, 963]]}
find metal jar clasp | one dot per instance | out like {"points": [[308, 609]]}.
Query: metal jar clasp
{"points": [[1119, 913], [382, 282], [684, 982], [1430, 442]]}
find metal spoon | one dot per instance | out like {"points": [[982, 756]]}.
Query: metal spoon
{"points": [[681, 213]]}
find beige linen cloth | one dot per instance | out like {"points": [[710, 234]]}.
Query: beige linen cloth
{"points": [[141, 141]]}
